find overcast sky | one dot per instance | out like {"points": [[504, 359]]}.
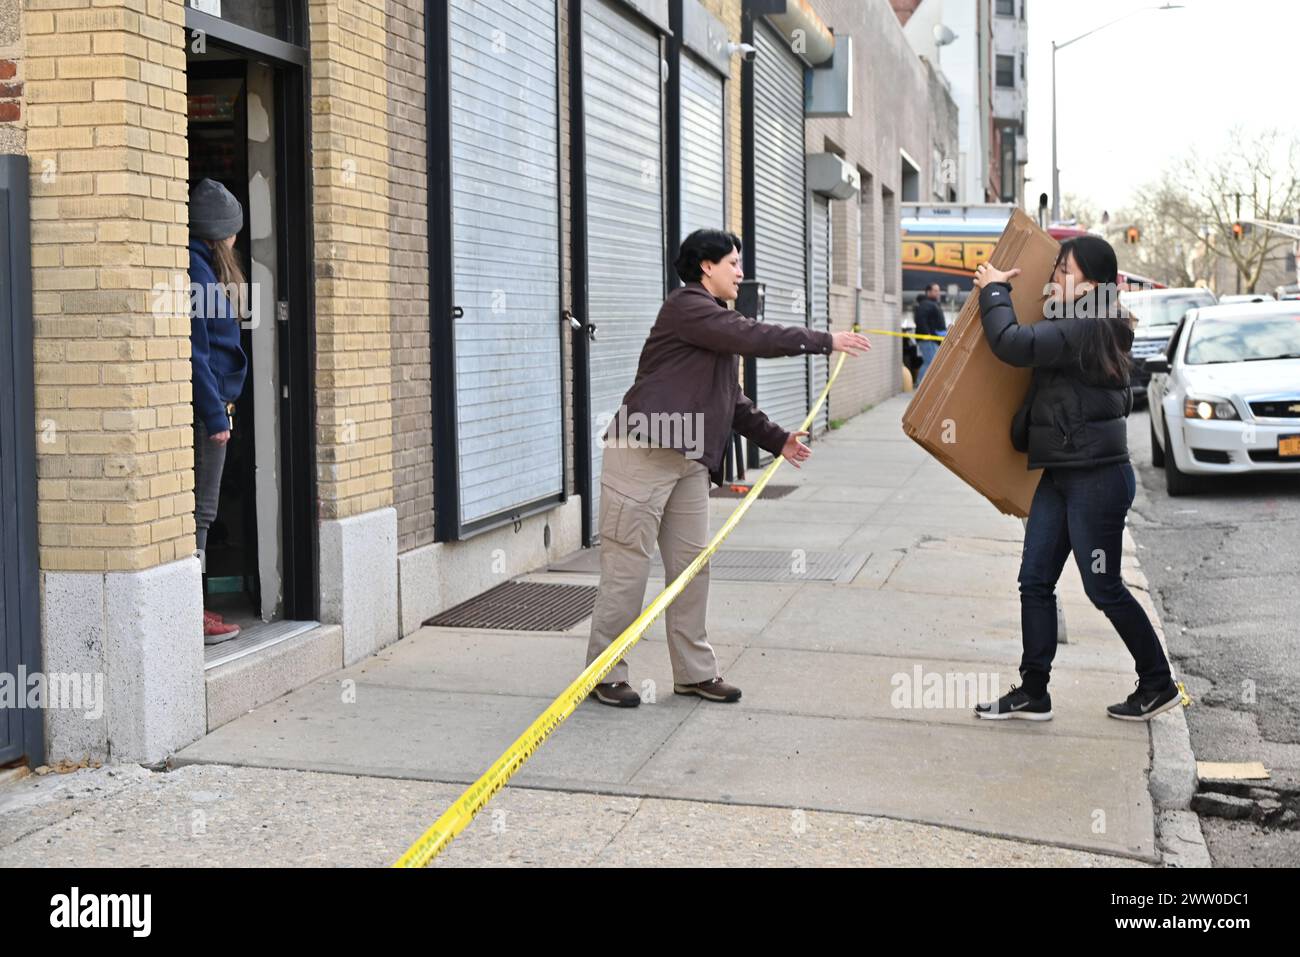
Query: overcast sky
{"points": [[1137, 94]]}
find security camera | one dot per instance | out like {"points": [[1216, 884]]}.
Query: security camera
{"points": [[747, 51]]}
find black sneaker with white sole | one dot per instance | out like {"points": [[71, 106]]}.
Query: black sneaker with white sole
{"points": [[1145, 705], [1017, 704]]}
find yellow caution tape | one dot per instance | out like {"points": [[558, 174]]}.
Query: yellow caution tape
{"points": [[457, 817], [901, 335]]}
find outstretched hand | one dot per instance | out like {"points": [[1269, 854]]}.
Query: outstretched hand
{"points": [[795, 451]]}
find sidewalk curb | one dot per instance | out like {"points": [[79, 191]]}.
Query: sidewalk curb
{"points": [[1173, 780]]}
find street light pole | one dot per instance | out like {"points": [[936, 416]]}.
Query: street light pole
{"points": [[1056, 172]]}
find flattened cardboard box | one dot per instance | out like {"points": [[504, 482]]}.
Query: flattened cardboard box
{"points": [[961, 413]]}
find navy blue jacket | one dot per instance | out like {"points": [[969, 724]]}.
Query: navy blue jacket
{"points": [[218, 361]]}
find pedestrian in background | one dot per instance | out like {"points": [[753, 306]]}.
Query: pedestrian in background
{"points": [[929, 322]]}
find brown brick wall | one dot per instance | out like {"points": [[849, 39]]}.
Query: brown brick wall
{"points": [[408, 239], [106, 127], [351, 194]]}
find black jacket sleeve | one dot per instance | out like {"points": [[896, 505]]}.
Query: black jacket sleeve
{"points": [[1046, 344]]}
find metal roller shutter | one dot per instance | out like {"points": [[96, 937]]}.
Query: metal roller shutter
{"points": [[623, 113], [506, 255], [819, 366], [703, 204], [780, 214]]}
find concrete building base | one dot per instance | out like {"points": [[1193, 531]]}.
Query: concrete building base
{"points": [[133, 642], [358, 580]]}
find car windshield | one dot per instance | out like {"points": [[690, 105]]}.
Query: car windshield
{"points": [[1240, 339], [1155, 310]]}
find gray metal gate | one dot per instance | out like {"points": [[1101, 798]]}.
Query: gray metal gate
{"points": [[820, 313], [703, 202], [506, 254], [780, 219], [622, 103], [21, 729]]}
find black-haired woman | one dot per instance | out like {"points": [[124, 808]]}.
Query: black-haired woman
{"points": [[666, 442], [1073, 426]]}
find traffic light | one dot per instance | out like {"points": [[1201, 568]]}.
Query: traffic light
{"points": [[1238, 230], [1132, 235]]}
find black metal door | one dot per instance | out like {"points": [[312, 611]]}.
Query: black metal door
{"points": [[21, 729]]}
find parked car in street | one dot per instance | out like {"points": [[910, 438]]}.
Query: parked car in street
{"points": [[1158, 312], [1245, 297], [1225, 398]]}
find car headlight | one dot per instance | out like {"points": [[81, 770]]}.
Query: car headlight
{"points": [[1208, 407]]}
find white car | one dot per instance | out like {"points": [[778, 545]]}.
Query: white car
{"points": [[1225, 397], [1245, 297]]}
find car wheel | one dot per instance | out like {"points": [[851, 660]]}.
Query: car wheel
{"points": [[1157, 453], [1177, 482]]}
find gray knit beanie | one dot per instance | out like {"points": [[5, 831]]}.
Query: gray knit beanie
{"points": [[214, 211]]}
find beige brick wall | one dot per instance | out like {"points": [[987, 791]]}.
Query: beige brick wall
{"points": [[106, 127], [408, 238], [351, 195]]}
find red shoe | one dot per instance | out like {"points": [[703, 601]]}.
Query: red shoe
{"points": [[216, 631], [215, 616]]}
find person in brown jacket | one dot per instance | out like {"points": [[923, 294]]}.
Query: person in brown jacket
{"points": [[666, 443]]}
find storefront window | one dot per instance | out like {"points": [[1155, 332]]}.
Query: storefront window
{"points": [[270, 18]]}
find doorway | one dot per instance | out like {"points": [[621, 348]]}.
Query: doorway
{"points": [[247, 127]]}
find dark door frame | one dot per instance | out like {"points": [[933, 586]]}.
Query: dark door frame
{"points": [[443, 311], [296, 306], [20, 632]]}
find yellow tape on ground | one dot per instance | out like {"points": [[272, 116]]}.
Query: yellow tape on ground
{"points": [[457, 817]]}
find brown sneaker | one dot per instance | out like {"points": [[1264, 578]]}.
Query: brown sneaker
{"points": [[618, 694], [715, 689]]}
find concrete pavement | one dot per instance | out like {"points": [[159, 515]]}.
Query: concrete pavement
{"points": [[855, 726]]}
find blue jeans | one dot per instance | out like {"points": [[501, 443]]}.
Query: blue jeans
{"points": [[928, 349], [1082, 510]]}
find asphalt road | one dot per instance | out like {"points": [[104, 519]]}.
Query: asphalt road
{"points": [[1224, 568]]}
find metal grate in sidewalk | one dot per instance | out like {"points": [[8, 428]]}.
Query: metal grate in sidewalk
{"points": [[746, 565], [522, 606], [784, 565]]}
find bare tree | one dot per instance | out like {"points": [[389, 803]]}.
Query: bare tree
{"points": [[1200, 196]]}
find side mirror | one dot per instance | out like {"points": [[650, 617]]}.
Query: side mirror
{"points": [[1157, 364]]}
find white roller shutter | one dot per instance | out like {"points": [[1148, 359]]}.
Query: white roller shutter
{"points": [[819, 365], [506, 254], [780, 213], [703, 203], [623, 115]]}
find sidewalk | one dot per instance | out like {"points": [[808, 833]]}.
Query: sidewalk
{"points": [[818, 764]]}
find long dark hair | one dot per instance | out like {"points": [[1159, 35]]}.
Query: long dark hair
{"points": [[1104, 352]]}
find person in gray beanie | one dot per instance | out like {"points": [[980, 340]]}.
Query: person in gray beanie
{"points": [[217, 288]]}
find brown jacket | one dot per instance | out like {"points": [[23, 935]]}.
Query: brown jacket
{"points": [[689, 376]]}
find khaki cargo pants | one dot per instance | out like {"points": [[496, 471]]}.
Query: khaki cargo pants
{"points": [[649, 495]]}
